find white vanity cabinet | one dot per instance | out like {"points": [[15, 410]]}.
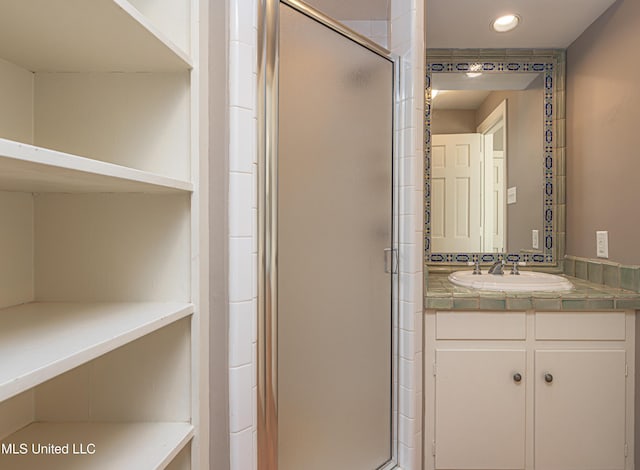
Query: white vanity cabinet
{"points": [[583, 419], [103, 322], [529, 390], [480, 407]]}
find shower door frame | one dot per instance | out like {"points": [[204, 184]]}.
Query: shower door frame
{"points": [[267, 354]]}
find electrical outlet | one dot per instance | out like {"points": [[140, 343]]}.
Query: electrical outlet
{"points": [[602, 244], [535, 239]]}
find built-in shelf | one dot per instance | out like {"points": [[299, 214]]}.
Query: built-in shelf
{"points": [[143, 446], [81, 36], [34, 169], [41, 340]]}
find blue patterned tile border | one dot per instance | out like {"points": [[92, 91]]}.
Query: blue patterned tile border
{"points": [[547, 66]]}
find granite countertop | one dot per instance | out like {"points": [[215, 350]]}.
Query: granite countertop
{"points": [[443, 295]]}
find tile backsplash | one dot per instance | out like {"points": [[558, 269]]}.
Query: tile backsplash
{"points": [[603, 272]]}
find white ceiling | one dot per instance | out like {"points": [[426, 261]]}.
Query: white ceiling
{"points": [[466, 23], [544, 23], [487, 81], [458, 91], [459, 99]]}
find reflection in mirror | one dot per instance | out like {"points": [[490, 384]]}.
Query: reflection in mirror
{"points": [[486, 156], [489, 160]]}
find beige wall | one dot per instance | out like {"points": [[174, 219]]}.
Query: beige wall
{"points": [[603, 107], [603, 116], [453, 121], [524, 160]]}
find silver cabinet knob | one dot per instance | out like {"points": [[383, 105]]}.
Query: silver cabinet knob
{"points": [[548, 378], [517, 377]]}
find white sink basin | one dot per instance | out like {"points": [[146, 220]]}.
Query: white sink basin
{"points": [[527, 281]]}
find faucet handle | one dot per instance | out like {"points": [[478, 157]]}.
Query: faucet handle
{"points": [[514, 268], [476, 267]]}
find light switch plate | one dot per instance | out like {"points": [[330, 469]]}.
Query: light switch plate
{"points": [[535, 239], [602, 244], [512, 195]]}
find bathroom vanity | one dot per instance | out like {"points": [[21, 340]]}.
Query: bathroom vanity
{"points": [[529, 380]]}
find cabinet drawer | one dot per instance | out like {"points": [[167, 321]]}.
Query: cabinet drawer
{"points": [[597, 326], [481, 325]]}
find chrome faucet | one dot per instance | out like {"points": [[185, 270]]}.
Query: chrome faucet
{"points": [[476, 267], [497, 268], [514, 269]]}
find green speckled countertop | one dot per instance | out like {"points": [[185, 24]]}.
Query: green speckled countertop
{"points": [[443, 295]]}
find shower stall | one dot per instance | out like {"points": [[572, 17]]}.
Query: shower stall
{"points": [[327, 251]]}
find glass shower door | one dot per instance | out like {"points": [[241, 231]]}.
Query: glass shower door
{"points": [[334, 225]]}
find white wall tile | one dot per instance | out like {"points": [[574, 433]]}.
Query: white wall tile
{"points": [[240, 210], [241, 25], [240, 395], [240, 444], [406, 433], [240, 345], [405, 41], [401, 28], [406, 374], [407, 400], [407, 204], [243, 232], [408, 259], [407, 344], [240, 270], [407, 456], [407, 220], [408, 135], [242, 91], [360, 26], [398, 8], [407, 316], [254, 324], [242, 139], [254, 275], [380, 28]]}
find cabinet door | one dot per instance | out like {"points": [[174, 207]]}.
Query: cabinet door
{"points": [[580, 410], [480, 409]]}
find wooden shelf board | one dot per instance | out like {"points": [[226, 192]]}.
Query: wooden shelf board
{"points": [[41, 340], [29, 168], [77, 36], [144, 446]]}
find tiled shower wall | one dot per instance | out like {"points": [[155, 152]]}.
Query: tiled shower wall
{"points": [[406, 40], [376, 30], [404, 36], [242, 233]]}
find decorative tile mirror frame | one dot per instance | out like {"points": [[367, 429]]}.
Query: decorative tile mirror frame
{"points": [[551, 63]]}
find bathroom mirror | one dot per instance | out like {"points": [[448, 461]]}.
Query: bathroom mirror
{"points": [[490, 157]]}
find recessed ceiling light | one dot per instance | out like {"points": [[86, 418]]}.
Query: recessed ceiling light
{"points": [[505, 23]]}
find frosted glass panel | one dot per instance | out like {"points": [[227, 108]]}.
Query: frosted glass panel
{"points": [[334, 203]]}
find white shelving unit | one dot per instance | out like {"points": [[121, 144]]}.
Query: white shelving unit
{"points": [[102, 333], [112, 446], [51, 338], [101, 35], [29, 168]]}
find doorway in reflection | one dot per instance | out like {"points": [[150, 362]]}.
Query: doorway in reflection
{"points": [[486, 156]]}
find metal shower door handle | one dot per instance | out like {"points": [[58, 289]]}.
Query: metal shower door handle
{"points": [[393, 254]]}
